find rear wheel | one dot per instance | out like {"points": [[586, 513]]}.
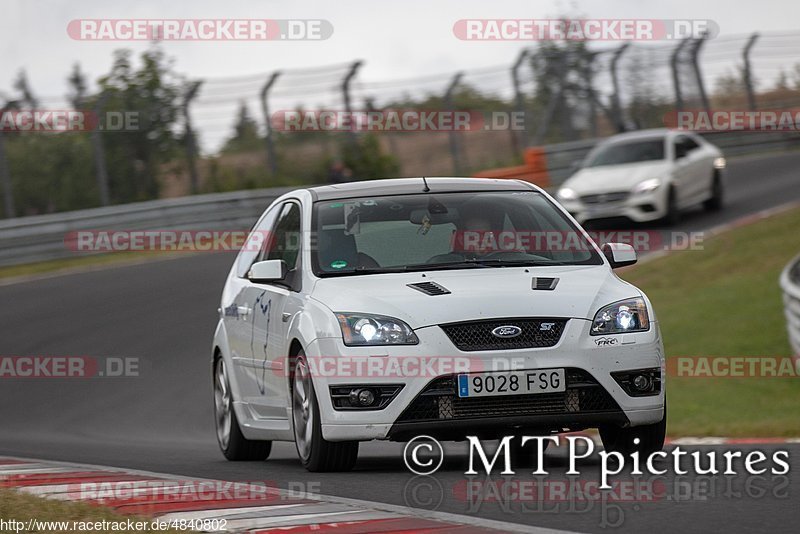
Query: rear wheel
{"points": [[717, 193], [316, 453], [623, 440], [229, 436]]}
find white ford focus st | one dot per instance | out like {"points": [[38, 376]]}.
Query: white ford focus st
{"points": [[449, 307]]}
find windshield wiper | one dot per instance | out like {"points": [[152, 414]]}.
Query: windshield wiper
{"points": [[477, 262]]}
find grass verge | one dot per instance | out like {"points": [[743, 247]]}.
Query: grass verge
{"points": [[725, 301], [23, 508]]}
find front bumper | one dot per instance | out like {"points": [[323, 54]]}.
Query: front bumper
{"points": [[576, 351], [638, 208]]}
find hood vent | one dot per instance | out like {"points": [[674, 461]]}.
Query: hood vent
{"points": [[429, 288], [544, 284]]}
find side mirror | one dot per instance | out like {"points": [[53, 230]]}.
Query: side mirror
{"points": [[619, 254], [267, 271]]}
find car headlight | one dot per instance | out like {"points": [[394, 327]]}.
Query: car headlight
{"points": [[621, 317], [720, 163], [565, 193], [363, 329], [647, 186]]}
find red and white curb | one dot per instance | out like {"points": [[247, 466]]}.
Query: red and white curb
{"points": [[285, 512]]}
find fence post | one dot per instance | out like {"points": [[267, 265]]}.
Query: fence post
{"points": [[455, 149], [519, 138], [616, 105], [556, 99], [748, 80], [697, 45], [191, 146], [5, 175], [346, 95], [98, 148], [676, 82], [270, 142]]}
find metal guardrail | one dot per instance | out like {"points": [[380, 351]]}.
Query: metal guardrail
{"points": [[41, 237], [790, 283]]}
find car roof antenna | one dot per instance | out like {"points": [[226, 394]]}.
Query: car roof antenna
{"points": [[425, 189]]}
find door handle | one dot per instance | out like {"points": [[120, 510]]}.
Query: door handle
{"points": [[244, 311]]}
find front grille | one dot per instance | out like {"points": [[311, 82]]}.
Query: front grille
{"points": [[438, 401], [477, 335], [602, 198]]}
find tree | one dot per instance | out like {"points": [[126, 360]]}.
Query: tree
{"points": [[27, 98], [245, 135], [78, 87]]}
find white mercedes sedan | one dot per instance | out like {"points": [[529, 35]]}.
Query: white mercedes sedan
{"points": [[645, 176], [447, 307]]}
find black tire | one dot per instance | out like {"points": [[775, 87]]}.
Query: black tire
{"points": [[673, 215], [320, 455], [651, 437], [525, 456], [718, 193], [236, 447]]}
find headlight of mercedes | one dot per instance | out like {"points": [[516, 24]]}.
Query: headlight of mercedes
{"points": [[621, 317], [565, 193], [647, 186], [362, 329]]}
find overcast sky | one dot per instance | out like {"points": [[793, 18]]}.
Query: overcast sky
{"points": [[396, 39]]}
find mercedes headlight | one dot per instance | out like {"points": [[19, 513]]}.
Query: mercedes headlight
{"points": [[362, 329], [647, 186], [621, 317], [565, 193]]}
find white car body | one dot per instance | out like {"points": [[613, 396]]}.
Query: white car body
{"points": [[262, 325], [608, 191]]}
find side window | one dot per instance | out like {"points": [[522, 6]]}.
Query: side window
{"points": [[684, 145], [690, 144], [253, 246], [285, 239]]}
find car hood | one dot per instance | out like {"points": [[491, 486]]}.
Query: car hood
{"points": [[614, 178], [476, 294]]}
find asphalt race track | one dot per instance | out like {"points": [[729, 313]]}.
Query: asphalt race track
{"points": [[164, 313]]}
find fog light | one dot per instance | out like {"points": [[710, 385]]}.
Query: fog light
{"points": [[641, 382], [362, 397]]}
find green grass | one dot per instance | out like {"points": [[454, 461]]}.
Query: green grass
{"points": [[725, 301], [23, 507], [80, 262]]}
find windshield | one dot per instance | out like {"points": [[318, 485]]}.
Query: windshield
{"points": [[444, 231], [621, 153]]}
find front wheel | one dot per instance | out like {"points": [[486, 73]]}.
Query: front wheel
{"points": [[717, 192], [623, 440], [673, 214], [316, 453], [231, 441]]}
